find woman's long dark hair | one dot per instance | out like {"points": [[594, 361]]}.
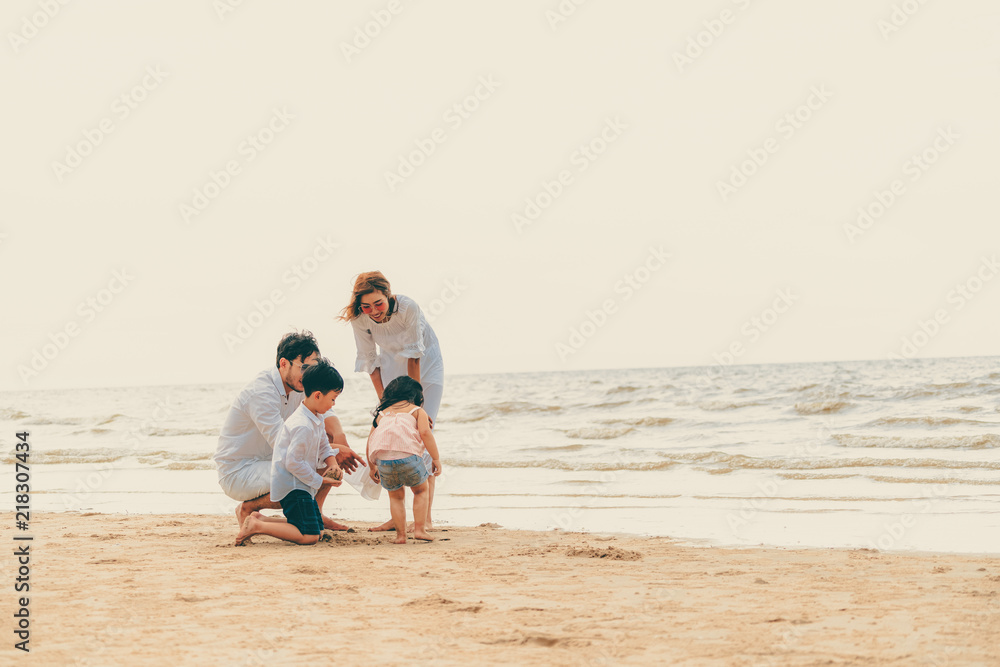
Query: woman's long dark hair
{"points": [[403, 388]]}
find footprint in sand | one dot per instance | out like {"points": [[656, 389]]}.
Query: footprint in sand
{"points": [[608, 553]]}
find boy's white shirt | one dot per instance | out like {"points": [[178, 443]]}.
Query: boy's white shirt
{"points": [[302, 447], [255, 421]]}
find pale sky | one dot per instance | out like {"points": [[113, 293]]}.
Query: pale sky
{"points": [[94, 215]]}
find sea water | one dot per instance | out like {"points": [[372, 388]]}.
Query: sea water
{"points": [[891, 455]]}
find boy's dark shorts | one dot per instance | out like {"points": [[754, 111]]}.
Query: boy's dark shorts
{"points": [[302, 512]]}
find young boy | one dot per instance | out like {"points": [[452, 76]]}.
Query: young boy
{"points": [[302, 463]]}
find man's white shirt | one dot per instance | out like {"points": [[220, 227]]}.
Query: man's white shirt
{"points": [[255, 420]]}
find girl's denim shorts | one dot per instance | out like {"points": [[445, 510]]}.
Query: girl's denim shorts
{"points": [[398, 473]]}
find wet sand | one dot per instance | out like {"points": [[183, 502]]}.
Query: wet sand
{"points": [[171, 589]]}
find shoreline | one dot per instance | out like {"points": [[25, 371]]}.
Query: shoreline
{"points": [[171, 588], [685, 542]]}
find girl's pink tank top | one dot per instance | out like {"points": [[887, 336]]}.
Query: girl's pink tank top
{"points": [[396, 432]]}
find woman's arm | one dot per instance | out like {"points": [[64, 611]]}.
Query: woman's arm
{"points": [[376, 376], [411, 338]]}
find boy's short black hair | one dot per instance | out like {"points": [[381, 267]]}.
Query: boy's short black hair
{"points": [[296, 345], [321, 377]]}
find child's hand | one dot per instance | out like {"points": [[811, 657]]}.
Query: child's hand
{"points": [[436, 467], [373, 473], [334, 476]]}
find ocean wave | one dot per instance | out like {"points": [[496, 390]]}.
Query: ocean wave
{"points": [[481, 412], [813, 475], [718, 406], [190, 465], [594, 433], [928, 390], [739, 462], [171, 432], [611, 404], [107, 455], [555, 448], [924, 421], [10, 413], [623, 389], [569, 466], [68, 456], [895, 480], [642, 421], [93, 431], [726, 463], [985, 441], [110, 419], [822, 407], [56, 421]]}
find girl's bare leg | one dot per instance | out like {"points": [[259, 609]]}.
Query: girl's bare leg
{"points": [[421, 509], [397, 507], [428, 524]]}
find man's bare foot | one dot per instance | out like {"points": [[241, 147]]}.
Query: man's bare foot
{"points": [[382, 528], [330, 524], [241, 517], [248, 530], [401, 539], [422, 535], [241, 514]]}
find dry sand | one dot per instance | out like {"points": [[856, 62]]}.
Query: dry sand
{"points": [[113, 589]]}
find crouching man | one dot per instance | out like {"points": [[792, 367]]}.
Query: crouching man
{"points": [[254, 423]]}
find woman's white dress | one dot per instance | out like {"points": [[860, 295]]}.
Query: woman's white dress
{"points": [[406, 335]]}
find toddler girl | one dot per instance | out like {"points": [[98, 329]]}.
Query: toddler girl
{"points": [[400, 433]]}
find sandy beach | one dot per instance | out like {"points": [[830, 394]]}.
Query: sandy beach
{"points": [[171, 589]]}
